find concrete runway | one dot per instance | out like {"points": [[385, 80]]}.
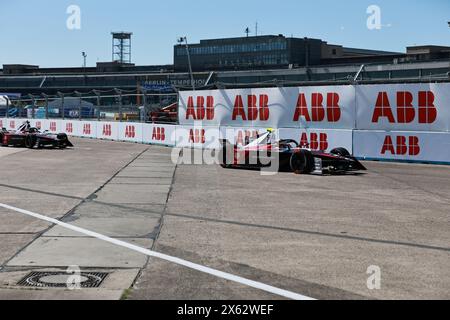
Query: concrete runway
{"points": [[312, 235]]}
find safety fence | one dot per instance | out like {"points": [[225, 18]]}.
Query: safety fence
{"points": [[100, 106], [408, 122]]}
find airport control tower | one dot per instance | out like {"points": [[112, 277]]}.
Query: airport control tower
{"points": [[121, 47]]}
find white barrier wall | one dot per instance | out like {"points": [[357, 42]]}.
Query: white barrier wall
{"points": [[372, 121], [403, 145], [119, 131]]}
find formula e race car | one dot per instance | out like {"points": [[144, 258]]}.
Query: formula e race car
{"points": [[29, 137], [286, 155]]}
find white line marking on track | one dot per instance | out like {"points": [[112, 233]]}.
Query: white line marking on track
{"points": [[190, 265]]}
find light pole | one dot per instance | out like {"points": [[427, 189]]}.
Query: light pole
{"points": [[84, 59], [180, 41]]}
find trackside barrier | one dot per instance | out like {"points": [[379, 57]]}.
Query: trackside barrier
{"points": [[413, 146], [116, 131], [408, 130], [361, 118]]}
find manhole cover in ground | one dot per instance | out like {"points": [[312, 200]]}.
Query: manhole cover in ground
{"points": [[61, 279]]}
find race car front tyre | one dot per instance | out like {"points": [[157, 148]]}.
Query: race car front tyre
{"points": [[302, 162], [341, 152]]}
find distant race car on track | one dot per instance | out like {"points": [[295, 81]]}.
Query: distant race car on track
{"points": [[263, 152], [29, 137]]}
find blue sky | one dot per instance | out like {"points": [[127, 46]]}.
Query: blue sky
{"points": [[35, 32]]}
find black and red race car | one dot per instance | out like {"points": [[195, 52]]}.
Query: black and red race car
{"points": [[286, 155], [29, 137]]}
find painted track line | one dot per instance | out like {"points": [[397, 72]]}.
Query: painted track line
{"points": [[185, 263]]}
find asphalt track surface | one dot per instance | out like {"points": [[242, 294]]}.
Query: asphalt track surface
{"points": [[311, 235]]}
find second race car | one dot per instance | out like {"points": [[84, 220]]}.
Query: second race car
{"points": [[29, 137]]}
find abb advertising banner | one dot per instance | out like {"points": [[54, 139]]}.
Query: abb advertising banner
{"points": [[403, 145], [403, 107], [331, 107], [159, 134], [320, 139], [108, 130], [11, 124], [131, 132], [87, 129], [197, 137]]}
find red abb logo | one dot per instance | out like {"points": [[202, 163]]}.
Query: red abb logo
{"points": [[200, 111], [197, 136], [159, 134], [317, 141], [87, 128], [130, 132], [12, 124], [404, 146], [318, 112], [244, 136], [53, 126], [69, 127], [38, 124], [257, 108], [406, 113], [107, 130]]}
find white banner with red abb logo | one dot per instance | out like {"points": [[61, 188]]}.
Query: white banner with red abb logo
{"points": [[108, 130], [197, 137], [159, 134], [403, 145], [331, 107], [403, 107], [131, 132]]}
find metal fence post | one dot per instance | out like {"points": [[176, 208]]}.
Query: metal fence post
{"points": [[7, 108], [98, 104], [144, 119], [119, 92], [80, 109], [62, 104], [46, 105], [32, 106]]}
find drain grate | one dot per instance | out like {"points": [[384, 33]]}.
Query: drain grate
{"points": [[59, 279]]}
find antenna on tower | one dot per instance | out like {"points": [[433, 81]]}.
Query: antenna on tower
{"points": [[247, 31], [256, 28]]}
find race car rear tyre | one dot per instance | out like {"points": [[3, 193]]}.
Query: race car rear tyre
{"points": [[302, 162], [341, 152], [30, 142]]}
